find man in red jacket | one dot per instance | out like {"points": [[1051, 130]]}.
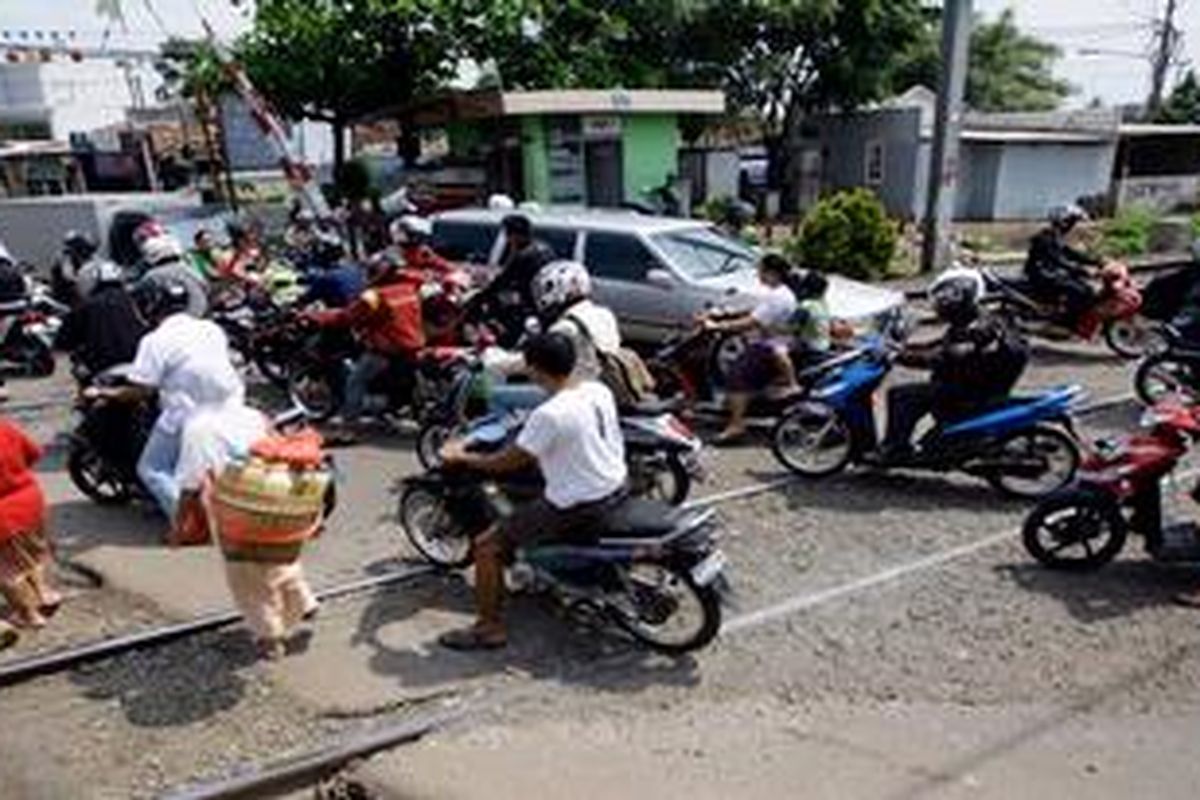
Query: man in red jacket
{"points": [[387, 320]]}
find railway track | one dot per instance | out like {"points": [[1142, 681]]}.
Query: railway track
{"points": [[311, 767]]}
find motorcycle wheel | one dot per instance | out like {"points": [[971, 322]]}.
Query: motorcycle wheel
{"points": [[1075, 531], [90, 476], [724, 354], [1132, 337], [425, 518], [658, 598], [1160, 376], [1061, 456], [430, 439], [656, 478], [812, 440], [309, 389], [275, 370]]}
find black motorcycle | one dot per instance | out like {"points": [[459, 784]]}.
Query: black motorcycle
{"points": [[1174, 370], [649, 569], [106, 442], [25, 337]]}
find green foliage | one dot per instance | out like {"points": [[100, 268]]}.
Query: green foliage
{"points": [[561, 44], [1128, 233], [353, 180], [1182, 107], [336, 60], [1009, 70], [848, 233], [785, 59]]}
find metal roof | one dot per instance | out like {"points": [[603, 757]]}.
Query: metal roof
{"points": [[1134, 129]]}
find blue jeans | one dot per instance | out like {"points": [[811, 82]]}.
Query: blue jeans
{"points": [[156, 468], [508, 397], [366, 369]]}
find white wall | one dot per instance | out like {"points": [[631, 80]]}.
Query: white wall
{"points": [[1035, 177], [73, 96]]}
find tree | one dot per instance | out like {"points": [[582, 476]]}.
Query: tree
{"points": [[1183, 105], [563, 44], [786, 59], [193, 71], [336, 61], [1009, 70]]}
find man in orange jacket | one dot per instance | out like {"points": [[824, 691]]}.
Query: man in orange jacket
{"points": [[387, 320]]}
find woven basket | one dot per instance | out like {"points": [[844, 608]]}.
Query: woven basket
{"points": [[265, 512]]}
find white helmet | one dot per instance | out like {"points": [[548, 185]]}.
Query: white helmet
{"points": [[955, 294], [501, 202], [559, 284], [410, 228], [1068, 214], [160, 249]]}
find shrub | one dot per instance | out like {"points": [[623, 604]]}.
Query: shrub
{"points": [[1128, 233], [848, 233]]}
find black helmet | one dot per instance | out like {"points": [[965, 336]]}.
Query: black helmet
{"points": [[809, 285], [159, 299], [78, 245], [329, 250]]}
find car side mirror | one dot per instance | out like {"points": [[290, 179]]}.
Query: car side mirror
{"points": [[661, 278]]}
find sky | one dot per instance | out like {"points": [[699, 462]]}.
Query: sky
{"points": [[1123, 26]]}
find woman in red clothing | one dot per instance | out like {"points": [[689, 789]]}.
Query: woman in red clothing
{"points": [[24, 546]]}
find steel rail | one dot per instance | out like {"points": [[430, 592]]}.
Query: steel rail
{"points": [[26, 669]]}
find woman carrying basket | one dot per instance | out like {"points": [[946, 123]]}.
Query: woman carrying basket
{"points": [[237, 483]]}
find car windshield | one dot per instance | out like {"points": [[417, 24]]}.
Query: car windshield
{"points": [[704, 253]]}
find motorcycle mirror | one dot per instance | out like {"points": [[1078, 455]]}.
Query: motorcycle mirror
{"points": [[660, 278]]}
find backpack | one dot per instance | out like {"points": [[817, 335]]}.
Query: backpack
{"points": [[621, 370]]}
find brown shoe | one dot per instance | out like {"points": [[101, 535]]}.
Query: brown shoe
{"points": [[472, 638]]}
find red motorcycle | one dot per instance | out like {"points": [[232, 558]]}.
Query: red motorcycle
{"points": [[1118, 491], [1115, 315]]}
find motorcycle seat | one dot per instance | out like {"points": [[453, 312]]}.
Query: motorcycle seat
{"points": [[653, 407], [637, 518]]}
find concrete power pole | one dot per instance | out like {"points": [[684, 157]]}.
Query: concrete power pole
{"points": [[1163, 57], [943, 162]]}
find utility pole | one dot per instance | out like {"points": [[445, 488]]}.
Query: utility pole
{"points": [[944, 158], [1163, 57]]}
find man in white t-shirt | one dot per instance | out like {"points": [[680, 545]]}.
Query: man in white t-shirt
{"points": [[575, 439], [186, 362], [769, 328]]}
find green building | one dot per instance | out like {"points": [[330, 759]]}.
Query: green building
{"points": [[590, 147]]}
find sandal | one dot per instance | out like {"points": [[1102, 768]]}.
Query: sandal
{"points": [[730, 439], [9, 635], [469, 639]]}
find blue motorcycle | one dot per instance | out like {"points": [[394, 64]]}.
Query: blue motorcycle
{"points": [[1024, 446]]}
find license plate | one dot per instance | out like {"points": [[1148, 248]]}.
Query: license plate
{"points": [[707, 570]]}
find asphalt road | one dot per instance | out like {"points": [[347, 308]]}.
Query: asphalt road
{"points": [[887, 638]]}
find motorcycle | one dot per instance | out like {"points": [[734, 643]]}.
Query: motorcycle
{"points": [[262, 333], [1024, 446], [107, 439], [105, 443], [651, 570], [1115, 315], [1119, 491], [663, 455], [1172, 371]]}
